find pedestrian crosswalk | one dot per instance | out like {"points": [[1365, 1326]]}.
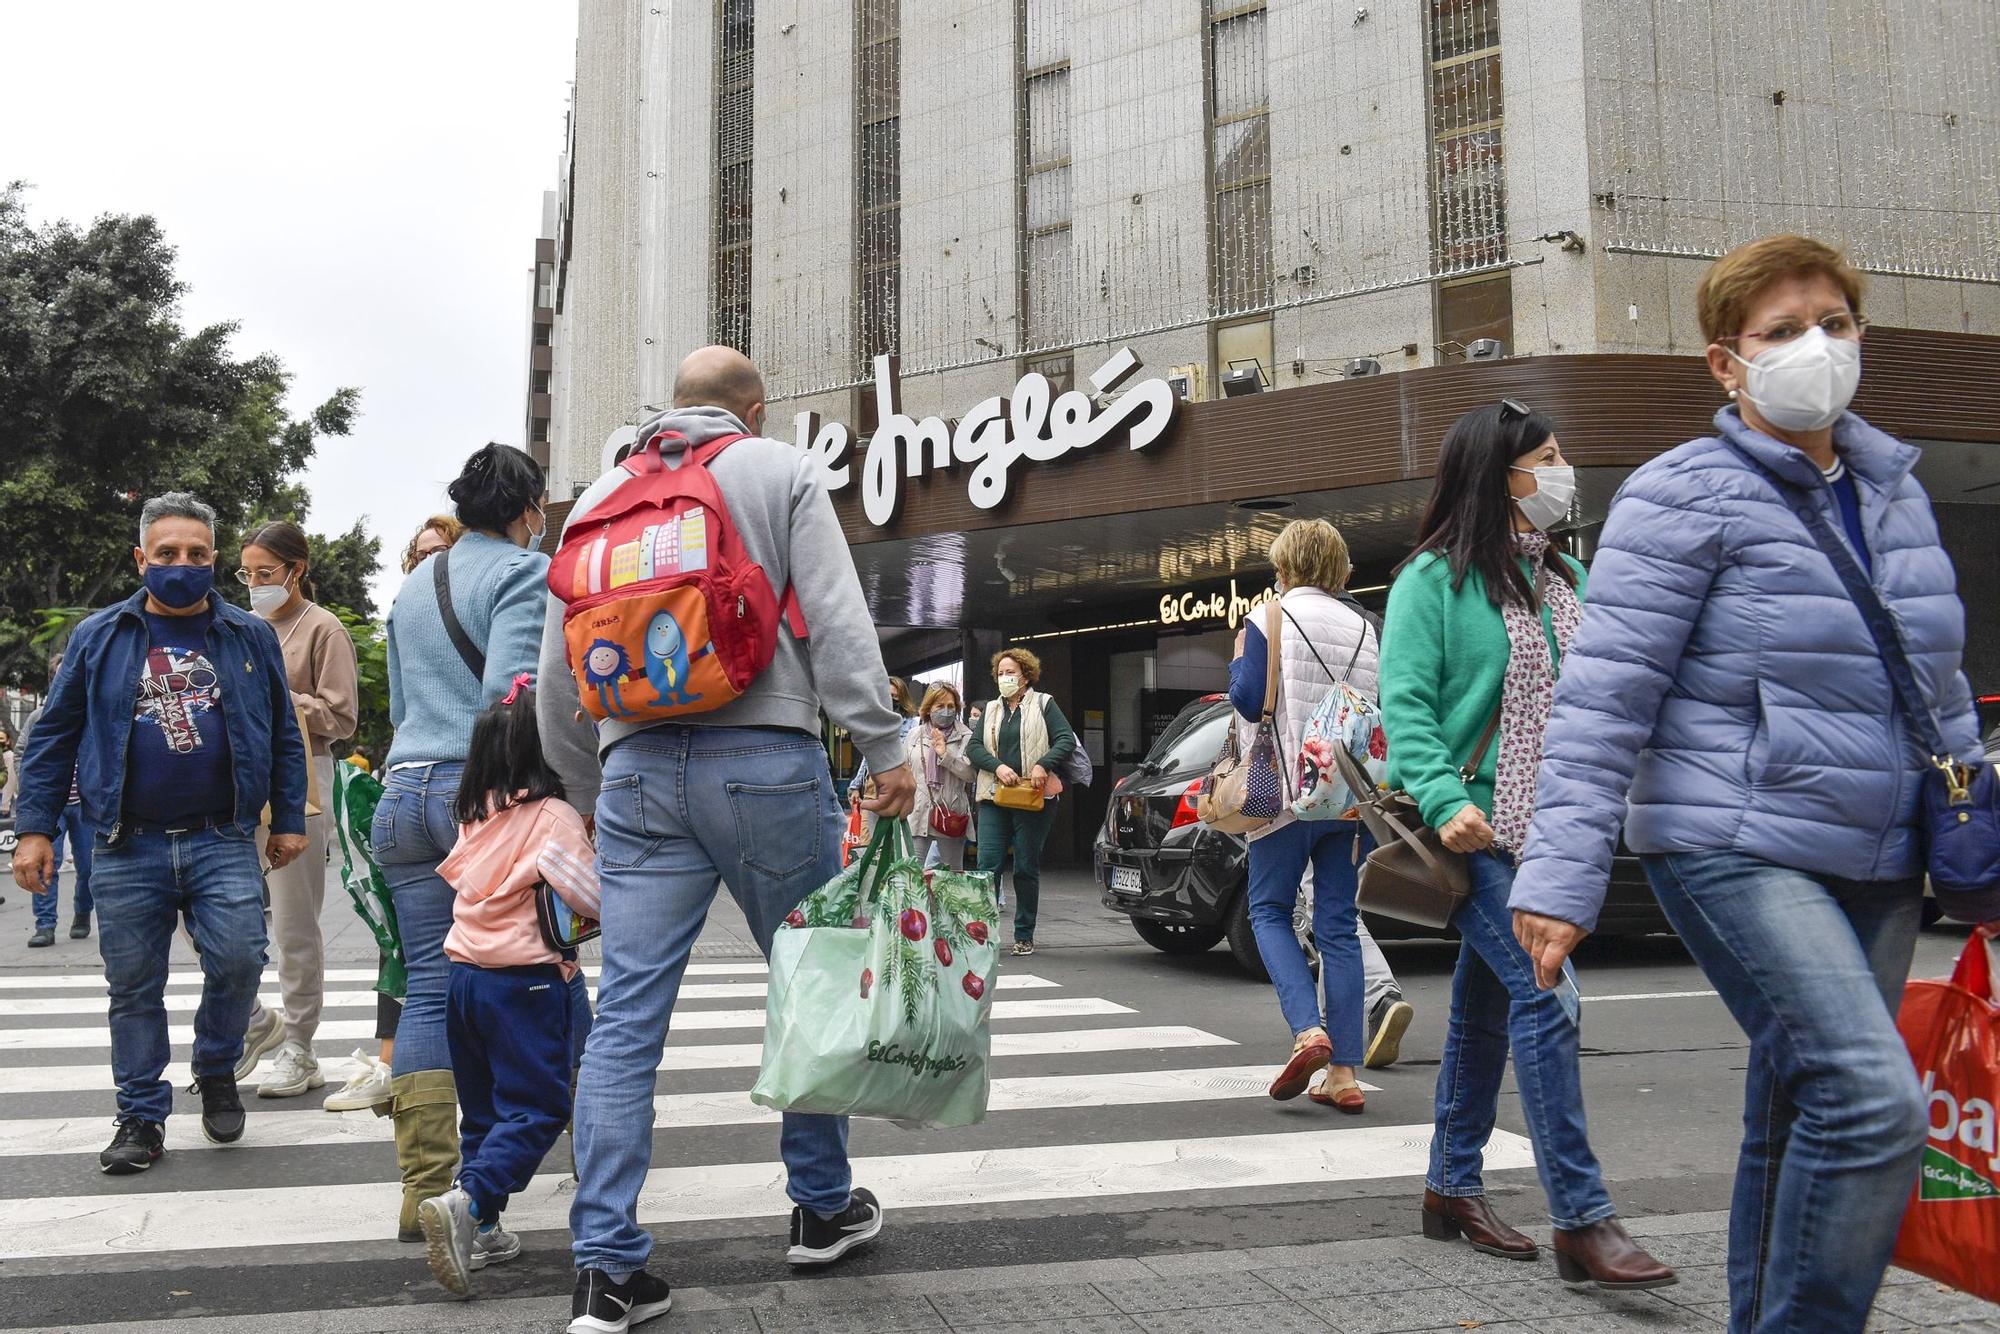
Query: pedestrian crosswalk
{"points": [[1092, 1099]]}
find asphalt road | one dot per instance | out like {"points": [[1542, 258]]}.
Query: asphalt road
{"points": [[1663, 1070]]}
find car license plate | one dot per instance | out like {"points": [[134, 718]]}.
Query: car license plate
{"points": [[1125, 880]]}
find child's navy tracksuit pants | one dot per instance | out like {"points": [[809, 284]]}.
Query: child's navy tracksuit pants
{"points": [[510, 1035]]}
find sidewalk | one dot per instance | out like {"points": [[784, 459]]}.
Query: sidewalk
{"points": [[1356, 1287]]}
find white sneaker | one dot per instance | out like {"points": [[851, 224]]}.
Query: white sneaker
{"points": [[495, 1245], [447, 1223], [265, 1035], [368, 1088], [292, 1073]]}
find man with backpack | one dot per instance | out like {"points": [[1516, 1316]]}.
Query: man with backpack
{"points": [[704, 608]]}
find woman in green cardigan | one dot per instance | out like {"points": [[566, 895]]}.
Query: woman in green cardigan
{"points": [[1017, 743], [1479, 618]]}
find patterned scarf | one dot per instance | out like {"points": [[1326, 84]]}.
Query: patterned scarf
{"points": [[1527, 696]]}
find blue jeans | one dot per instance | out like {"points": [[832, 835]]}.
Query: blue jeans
{"points": [[142, 890], [1813, 969], [1494, 1004], [509, 1030], [73, 831], [681, 809], [1277, 865], [414, 831]]}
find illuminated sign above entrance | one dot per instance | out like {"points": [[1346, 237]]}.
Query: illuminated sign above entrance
{"points": [[1192, 608], [1033, 424]]}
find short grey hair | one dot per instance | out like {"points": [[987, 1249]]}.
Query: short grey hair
{"points": [[175, 505]]}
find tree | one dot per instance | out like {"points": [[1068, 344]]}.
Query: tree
{"points": [[105, 400]]}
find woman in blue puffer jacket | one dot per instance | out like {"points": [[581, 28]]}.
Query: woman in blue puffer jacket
{"points": [[1723, 679]]}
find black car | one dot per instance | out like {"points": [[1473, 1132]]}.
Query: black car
{"points": [[1184, 884]]}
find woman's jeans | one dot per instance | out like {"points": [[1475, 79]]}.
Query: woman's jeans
{"points": [[1277, 865], [414, 831], [1025, 832], [1495, 1003], [1813, 968]]}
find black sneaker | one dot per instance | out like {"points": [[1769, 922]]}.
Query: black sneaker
{"points": [[603, 1307], [221, 1109], [821, 1241], [44, 936], [136, 1147], [1387, 1023], [79, 927]]}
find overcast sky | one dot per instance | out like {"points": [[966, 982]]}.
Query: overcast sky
{"points": [[359, 185]]}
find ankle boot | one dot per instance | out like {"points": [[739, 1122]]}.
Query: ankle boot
{"points": [[1605, 1254], [1446, 1218], [426, 1115]]}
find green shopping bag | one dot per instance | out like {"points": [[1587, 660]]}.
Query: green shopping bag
{"points": [[880, 997], [355, 796]]}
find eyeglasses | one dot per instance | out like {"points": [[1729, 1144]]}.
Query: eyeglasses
{"points": [[1845, 326], [1514, 407], [264, 576]]}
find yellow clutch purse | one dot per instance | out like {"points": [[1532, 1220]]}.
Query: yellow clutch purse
{"points": [[1018, 797]]}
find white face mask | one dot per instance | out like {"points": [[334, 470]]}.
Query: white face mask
{"points": [[1555, 491], [1010, 686], [267, 599], [1803, 385]]}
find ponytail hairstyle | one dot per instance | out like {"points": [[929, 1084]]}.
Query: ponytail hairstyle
{"points": [[287, 541], [505, 765], [495, 487]]}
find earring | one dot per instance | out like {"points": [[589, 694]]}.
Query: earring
{"points": [[1732, 393]]}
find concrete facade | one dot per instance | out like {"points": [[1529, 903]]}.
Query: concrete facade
{"points": [[1656, 133]]}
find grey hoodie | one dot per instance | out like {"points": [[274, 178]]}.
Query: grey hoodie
{"points": [[786, 520]]}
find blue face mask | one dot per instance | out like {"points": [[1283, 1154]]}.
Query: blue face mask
{"points": [[180, 586]]}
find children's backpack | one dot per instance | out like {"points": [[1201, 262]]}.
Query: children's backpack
{"points": [[1348, 719], [665, 613]]}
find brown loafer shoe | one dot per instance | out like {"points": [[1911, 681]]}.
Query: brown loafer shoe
{"points": [[1309, 1057], [1605, 1254], [1345, 1097], [1447, 1218]]}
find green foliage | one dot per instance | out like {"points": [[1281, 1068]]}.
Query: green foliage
{"points": [[104, 401], [371, 653]]}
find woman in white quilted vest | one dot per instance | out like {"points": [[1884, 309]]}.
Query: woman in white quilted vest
{"points": [[1321, 641], [1018, 748]]}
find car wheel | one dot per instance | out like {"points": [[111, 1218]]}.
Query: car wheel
{"points": [[1302, 927], [1177, 937], [1243, 940]]}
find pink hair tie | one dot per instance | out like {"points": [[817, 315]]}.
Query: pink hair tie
{"points": [[522, 681]]}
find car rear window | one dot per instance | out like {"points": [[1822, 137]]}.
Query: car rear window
{"points": [[1194, 744]]}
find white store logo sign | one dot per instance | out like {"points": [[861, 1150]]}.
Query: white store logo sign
{"points": [[1034, 424]]}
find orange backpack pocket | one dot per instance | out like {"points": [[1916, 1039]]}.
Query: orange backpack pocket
{"points": [[647, 657]]}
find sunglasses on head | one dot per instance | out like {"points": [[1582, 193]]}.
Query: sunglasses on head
{"points": [[1514, 407]]}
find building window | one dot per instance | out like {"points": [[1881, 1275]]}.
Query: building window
{"points": [[879, 178], [1239, 108], [1240, 346], [1468, 184], [1059, 369], [735, 142], [1048, 277]]}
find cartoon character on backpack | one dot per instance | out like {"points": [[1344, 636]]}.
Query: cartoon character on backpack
{"points": [[604, 667], [668, 660]]}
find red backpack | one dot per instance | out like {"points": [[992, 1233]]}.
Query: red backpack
{"points": [[666, 614]]}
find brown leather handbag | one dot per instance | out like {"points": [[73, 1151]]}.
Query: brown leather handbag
{"points": [[1411, 875], [1243, 793]]}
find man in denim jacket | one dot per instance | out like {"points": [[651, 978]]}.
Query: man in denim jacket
{"points": [[173, 712]]}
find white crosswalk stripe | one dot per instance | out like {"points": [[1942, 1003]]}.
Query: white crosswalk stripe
{"points": [[1064, 1069]]}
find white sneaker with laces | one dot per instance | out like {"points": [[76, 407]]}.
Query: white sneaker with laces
{"points": [[265, 1034], [293, 1072], [369, 1087], [448, 1230]]}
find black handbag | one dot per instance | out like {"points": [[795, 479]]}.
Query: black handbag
{"points": [[1960, 802]]}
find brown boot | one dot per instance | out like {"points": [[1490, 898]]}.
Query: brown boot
{"points": [[1605, 1254], [426, 1114], [1446, 1218]]}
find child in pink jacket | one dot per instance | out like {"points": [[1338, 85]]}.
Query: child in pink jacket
{"points": [[508, 1014]]}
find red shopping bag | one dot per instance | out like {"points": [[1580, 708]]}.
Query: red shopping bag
{"points": [[1952, 1230], [856, 837]]}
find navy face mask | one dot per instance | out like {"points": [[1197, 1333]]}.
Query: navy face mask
{"points": [[180, 586]]}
